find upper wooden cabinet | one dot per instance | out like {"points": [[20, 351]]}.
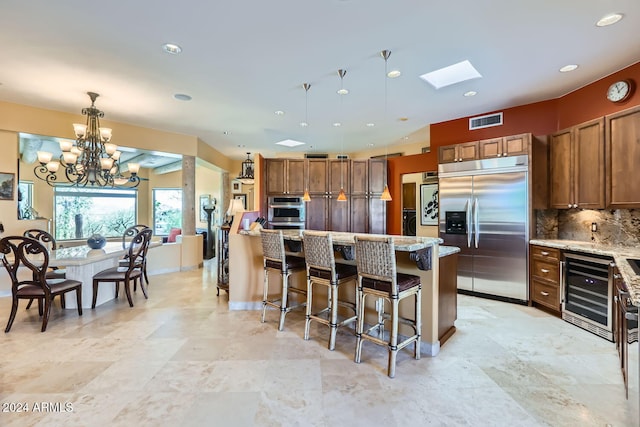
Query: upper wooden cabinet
{"points": [[577, 167], [285, 176], [318, 176], [339, 176], [458, 152], [505, 146], [623, 159], [368, 177]]}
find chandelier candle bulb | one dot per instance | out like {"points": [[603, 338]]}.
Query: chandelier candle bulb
{"points": [[110, 148], [105, 133], [53, 166], [106, 163], [66, 145], [116, 155], [44, 157], [69, 157], [133, 167]]}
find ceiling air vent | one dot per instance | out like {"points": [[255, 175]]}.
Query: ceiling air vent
{"points": [[342, 156], [485, 121], [316, 156]]}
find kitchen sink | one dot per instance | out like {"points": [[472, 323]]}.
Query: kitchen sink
{"points": [[635, 264]]}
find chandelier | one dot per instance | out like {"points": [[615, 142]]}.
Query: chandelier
{"points": [[246, 175], [92, 160]]}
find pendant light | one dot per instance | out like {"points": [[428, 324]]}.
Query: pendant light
{"points": [[306, 86], [386, 195], [342, 197]]}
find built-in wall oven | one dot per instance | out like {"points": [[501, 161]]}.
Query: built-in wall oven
{"points": [[286, 213], [588, 292]]}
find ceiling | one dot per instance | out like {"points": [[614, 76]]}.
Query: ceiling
{"points": [[241, 61]]}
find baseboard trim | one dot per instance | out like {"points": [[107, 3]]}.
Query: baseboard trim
{"points": [[250, 305]]}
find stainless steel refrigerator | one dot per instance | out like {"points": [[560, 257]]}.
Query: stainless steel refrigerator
{"points": [[484, 210]]}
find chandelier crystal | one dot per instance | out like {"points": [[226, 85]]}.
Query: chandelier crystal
{"points": [[93, 160]]}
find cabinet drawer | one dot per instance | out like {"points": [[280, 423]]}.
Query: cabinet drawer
{"points": [[547, 270], [545, 294], [543, 252]]}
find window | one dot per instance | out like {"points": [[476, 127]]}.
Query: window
{"points": [[81, 212], [25, 201], [167, 210]]}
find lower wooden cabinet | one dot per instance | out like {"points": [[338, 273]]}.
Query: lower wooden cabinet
{"points": [[368, 215], [544, 277]]}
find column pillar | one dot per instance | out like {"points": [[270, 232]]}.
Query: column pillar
{"points": [[192, 245]]}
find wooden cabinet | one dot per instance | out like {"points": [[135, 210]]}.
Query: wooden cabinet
{"points": [[458, 152], [368, 177], [285, 176], [505, 146], [577, 167], [317, 176], [339, 176], [368, 214], [327, 213], [623, 159], [544, 280]]}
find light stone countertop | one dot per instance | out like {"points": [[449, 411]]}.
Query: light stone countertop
{"points": [[619, 254], [402, 243], [82, 255], [448, 250]]}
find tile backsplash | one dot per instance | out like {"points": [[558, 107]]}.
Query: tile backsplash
{"points": [[614, 227]]}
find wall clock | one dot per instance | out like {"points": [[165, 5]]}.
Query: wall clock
{"points": [[620, 91]]}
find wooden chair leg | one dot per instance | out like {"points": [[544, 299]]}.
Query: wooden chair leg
{"points": [[95, 293], [12, 316], [45, 317], [29, 304], [78, 299], [63, 302], [127, 289], [40, 306], [143, 288]]}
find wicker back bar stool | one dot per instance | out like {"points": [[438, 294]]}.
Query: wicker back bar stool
{"points": [[322, 269], [377, 277], [275, 260]]}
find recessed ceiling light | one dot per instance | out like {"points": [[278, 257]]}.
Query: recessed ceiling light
{"points": [[171, 48], [182, 97], [568, 68], [405, 137], [226, 132], [241, 145], [610, 19], [370, 125], [370, 144], [394, 74], [403, 119], [304, 124], [342, 91], [470, 93], [290, 143], [337, 124], [279, 113], [456, 73]]}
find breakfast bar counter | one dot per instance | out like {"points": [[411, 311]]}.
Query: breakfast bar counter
{"points": [[414, 255]]}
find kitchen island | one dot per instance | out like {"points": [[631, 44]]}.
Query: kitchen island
{"points": [[415, 255]]}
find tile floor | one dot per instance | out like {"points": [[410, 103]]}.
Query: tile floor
{"points": [[182, 359]]}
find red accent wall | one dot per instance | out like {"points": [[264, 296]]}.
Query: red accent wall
{"points": [[540, 118]]}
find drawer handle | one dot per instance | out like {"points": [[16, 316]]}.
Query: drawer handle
{"points": [[544, 253], [544, 270], [544, 294]]}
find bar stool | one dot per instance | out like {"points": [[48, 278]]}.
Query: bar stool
{"points": [[322, 269], [275, 260], [377, 277]]}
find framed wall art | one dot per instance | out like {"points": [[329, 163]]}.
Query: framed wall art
{"points": [[429, 204], [7, 183], [243, 198], [236, 186], [205, 200]]}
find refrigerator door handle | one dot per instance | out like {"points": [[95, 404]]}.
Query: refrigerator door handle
{"points": [[469, 230], [475, 222]]}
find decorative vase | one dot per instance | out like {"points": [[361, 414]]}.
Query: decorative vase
{"points": [[96, 241]]}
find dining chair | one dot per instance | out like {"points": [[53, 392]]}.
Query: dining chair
{"points": [[378, 277], [127, 238], [20, 252], [133, 271], [49, 242]]}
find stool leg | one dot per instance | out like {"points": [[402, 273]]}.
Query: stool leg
{"points": [[418, 323], [307, 323], [393, 338], [265, 294], [284, 302], [381, 318], [333, 307], [360, 322]]}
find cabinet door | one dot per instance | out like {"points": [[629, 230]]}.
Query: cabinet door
{"points": [[377, 175], [359, 177], [377, 216], [275, 169], [490, 148], [316, 213], [359, 214], [561, 183], [623, 153], [295, 178], [447, 154], [588, 173], [515, 145], [338, 215], [318, 177], [468, 151], [338, 176]]}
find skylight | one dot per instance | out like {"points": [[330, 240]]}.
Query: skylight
{"points": [[290, 143], [456, 73]]}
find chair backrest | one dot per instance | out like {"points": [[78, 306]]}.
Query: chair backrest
{"points": [[376, 259], [43, 237], [138, 249], [318, 251], [273, 245], [130, 233], [25, 251]]}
